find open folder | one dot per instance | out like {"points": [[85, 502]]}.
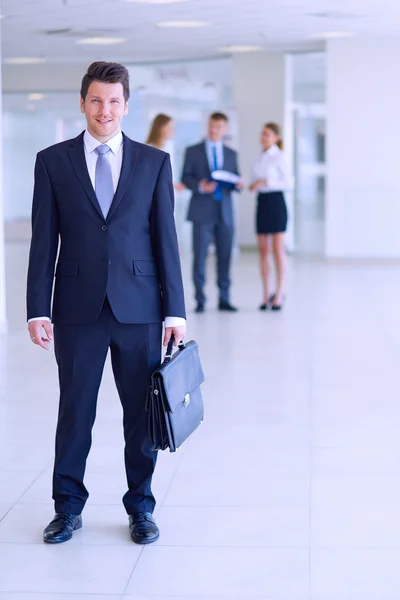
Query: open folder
{"points": [[226, 178]]}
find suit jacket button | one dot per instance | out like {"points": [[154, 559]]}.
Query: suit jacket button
{"points": [[104, 227]]}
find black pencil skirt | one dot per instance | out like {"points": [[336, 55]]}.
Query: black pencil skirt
{"points": [[272, 214]]}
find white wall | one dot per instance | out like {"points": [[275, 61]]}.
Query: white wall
{"points": [[363, 107], [259, 95], [3, 321]]}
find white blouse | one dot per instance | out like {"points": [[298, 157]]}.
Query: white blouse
{"points": [[169, 149], [271, 165]]}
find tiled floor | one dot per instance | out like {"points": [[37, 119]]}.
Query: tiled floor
{"points": [[290, 490]]}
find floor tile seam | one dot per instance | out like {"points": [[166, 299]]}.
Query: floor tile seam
{"points": [[305, 547], [173, 477], [161, 505], [64, 594], [133, 571], [22, 495], [310, 351]]}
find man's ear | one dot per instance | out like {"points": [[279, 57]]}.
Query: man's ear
{"points": [[126, 109], [82, 103]]}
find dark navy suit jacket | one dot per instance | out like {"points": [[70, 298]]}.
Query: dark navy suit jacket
{"points": [[131, 256], [204, 208]]}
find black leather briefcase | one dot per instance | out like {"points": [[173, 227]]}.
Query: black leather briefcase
{"points": [[175, 403]]}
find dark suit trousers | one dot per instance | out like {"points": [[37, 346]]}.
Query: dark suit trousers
{"points": [[81, 352], [203, 235]]}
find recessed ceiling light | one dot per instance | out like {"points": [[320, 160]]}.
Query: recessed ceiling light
{"points": [[234, 49], [24, 60], [101, 41], [157, 1], [331, 35], [36, 96], [336, 14], [188, 24]]}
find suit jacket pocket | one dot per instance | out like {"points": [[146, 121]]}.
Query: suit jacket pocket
{"points": [[146, 268], [67, 267]]}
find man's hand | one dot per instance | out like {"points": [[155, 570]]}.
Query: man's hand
{"points": [[239, 185], [179, 334], [208, 187], [35, 329]]}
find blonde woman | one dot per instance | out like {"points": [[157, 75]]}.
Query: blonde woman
{"points": [[270, 179], [162, 130]]}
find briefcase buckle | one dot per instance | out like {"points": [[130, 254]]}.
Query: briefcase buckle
{"points": [[186, 401]]}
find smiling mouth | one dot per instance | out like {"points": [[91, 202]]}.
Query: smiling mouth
{"points": [[103, 121]]}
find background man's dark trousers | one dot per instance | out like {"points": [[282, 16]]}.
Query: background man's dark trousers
{"points": [[221, 234]]}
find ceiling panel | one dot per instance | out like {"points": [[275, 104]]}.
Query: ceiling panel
{"points": [[284, 25]]}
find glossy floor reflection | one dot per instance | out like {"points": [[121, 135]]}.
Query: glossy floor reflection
{"points": [[290, 490]]}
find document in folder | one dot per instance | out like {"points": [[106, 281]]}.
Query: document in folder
{"points": [[226, 178]]}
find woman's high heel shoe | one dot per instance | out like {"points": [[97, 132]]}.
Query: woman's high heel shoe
{"points": [[276, 306]]}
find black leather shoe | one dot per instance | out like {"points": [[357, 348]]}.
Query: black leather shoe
{"points": [[62, 528], [143, 528], [227, 307], [200, 308]]}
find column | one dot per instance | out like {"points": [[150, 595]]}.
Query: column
{"points": [[363, 188], [3, 321], [260, 86]]}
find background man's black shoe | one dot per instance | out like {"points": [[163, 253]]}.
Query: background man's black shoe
{"points": [[62, 528], [200, 308], [143, 528], [227, 307]]}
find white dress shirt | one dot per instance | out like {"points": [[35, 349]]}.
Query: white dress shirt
{"points": [[271, 165], [115, 159], [210, 154], [210, 157]]}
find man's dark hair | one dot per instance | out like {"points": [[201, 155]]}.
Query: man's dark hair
{"points": [[106, 72], [219, 116]]}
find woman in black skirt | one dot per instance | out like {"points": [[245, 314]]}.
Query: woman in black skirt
{"points": [[270, 179]]}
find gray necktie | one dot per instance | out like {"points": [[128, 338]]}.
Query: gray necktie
{"points": [[104, 186]]}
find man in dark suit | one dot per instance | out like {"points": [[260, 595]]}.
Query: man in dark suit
{"points": [[106, 203], [211, 208]]}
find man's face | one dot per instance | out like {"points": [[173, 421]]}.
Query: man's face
{"points": [[104, 108], [217, 129]]}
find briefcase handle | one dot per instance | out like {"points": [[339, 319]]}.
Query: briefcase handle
{"points": [[170, 347]]}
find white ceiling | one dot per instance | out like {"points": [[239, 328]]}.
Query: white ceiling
{"points": [[278, 25]]}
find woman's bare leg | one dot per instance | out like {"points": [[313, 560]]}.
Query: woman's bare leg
{"points": [[278, 248], [264, 247]]}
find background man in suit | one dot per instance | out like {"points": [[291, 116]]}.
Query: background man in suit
{"points": [[109, 201], [211, 208]]}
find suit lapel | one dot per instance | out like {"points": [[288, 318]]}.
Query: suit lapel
{"points": [[130, 156], [77, 155], [225, 166]]}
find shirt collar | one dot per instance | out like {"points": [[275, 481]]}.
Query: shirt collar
{"points": [[91, 143], [211, 143], [273, 151]]}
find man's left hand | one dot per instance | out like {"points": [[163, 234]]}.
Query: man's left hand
{"points": [[179, 334]]}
